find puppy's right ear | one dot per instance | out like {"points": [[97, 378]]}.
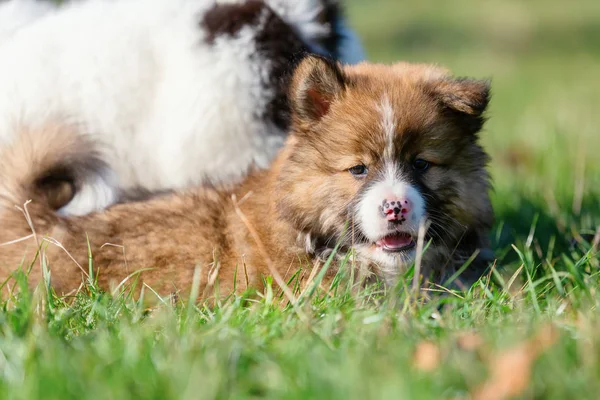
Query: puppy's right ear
{"points": [[316, 84]]}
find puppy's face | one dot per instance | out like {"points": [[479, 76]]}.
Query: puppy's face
{"points": [[377, 151]]}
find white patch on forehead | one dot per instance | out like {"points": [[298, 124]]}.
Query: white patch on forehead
{"points": [[388, 125], [391, 173]]}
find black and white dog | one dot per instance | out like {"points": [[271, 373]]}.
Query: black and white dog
{"points": [[175, 92]]}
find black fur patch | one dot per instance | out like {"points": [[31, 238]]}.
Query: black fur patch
{"points": [[276, 42], [59, 184], [331, 15], [280, 44], [141, 194], [229, 19]]}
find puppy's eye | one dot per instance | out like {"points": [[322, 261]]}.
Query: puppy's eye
{"points": [[421, 165], [359, 171]]}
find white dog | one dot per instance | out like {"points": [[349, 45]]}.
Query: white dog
{"points": [[15, 14], [176, 92]]}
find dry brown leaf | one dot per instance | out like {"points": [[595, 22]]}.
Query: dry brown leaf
{"points": [[427, 356], [510, 371], [469, 341]]}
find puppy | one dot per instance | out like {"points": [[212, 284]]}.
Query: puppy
{"points": [[174, 92], [374, 153]]}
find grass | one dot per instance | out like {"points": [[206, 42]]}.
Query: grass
{"points": [[529, 331]]}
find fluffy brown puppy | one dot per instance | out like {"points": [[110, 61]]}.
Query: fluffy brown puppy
{"points": [[375, 151]]}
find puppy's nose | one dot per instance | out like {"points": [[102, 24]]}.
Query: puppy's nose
{"points": [[395, 209]]}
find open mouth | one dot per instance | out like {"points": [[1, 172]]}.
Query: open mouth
{"points": [[396, 242]]}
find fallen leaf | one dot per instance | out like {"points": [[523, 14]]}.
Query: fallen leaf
{"points": [[510, 371], [469, 341], [427, 356]]}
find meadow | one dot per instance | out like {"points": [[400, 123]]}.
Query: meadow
{"points": [[526, 330]]}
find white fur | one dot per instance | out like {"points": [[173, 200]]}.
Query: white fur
{"points": [[388, 126], [303, 15], [16, 14], [374, 225], [99, 191], [169, 109]]}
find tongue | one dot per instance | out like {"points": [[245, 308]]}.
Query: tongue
{"points": [[396, 242]]}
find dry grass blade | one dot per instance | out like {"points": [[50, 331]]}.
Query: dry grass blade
{"points": [[512, 279], [596, 241], [29, 220], [47, 239], [419, 259], [60, 246], [261, 248], [311, 277], [212, 275], [17, 240], [117, 288], [122, 250], [437, 288], [39, 300]]}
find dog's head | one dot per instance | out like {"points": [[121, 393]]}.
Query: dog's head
{"points": [[376, 151]]}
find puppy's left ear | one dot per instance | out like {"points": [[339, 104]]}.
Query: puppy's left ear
{"points": [[316, 84], [466, 98]]}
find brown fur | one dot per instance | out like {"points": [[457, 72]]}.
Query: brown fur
{"points": [[298, 207]]}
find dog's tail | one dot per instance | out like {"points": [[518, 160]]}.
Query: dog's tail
{"points": [[323, 27], [56, 167]]}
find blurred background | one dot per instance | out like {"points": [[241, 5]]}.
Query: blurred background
{"points": [[544, 61]]}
